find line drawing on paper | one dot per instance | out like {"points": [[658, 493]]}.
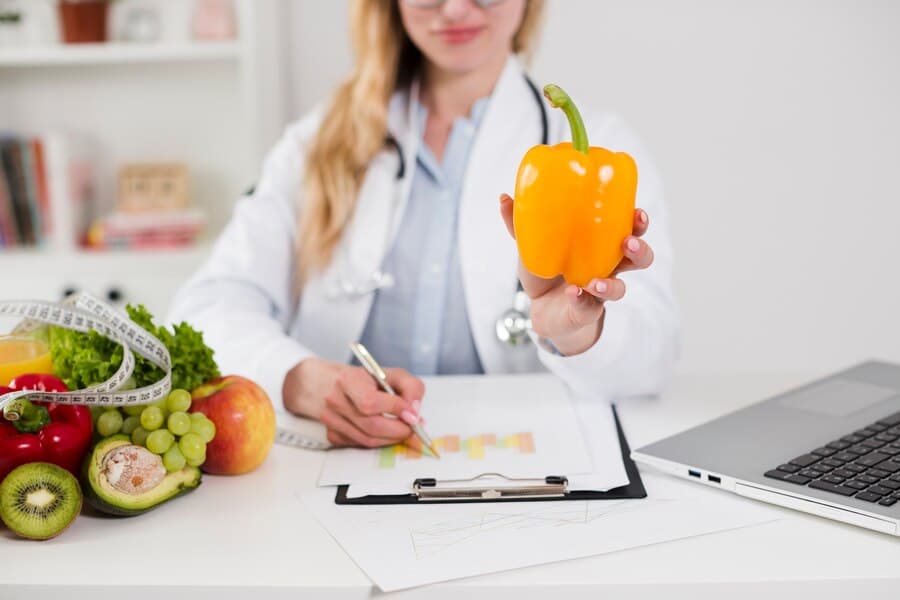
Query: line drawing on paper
{"points": [[433, 539]]}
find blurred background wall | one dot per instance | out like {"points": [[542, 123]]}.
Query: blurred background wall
{"points": [[776, 125]]}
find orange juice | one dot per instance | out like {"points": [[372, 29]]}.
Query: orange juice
{"points": [[21, 355]]}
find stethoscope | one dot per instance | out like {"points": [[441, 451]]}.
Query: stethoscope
{"points": [[513, 325]]}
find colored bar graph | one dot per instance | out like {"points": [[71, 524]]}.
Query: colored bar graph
{"points": [[448, 443], [526, 443], [475, 447]]}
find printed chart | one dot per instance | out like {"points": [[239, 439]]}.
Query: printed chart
{"points": [[478, 427], [475, 447]]}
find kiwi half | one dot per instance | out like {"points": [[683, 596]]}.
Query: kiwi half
{"points": [[39, 500]]}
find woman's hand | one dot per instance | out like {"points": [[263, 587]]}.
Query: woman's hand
{"points": [[569, 316], [348, 401]]}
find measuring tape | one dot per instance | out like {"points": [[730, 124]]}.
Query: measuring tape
{"points": [[83, 312], [298, 440]]}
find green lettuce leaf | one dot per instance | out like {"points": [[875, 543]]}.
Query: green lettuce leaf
{"points": [[85, 359]]}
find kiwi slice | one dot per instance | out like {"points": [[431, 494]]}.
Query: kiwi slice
{"points": [[39, 500]]}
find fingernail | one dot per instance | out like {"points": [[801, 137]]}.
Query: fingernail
{"points": [[580, 291], [600, 286], [634, 245], [643, 217], [409, 418], [416, 405]]}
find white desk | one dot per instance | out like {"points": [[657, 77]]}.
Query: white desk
{"points": [[249, 537]]}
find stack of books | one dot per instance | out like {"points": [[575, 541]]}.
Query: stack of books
{"points": [[144, 231], [47, 190], [24, 197]]}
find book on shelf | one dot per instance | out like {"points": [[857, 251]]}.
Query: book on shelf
{"points": [[48, 189], [146, 230]]}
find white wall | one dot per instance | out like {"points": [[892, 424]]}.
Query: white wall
{"points": [[777, 127]]}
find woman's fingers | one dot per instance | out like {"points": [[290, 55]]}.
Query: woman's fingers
{"points": [[342, 416], [410, 387], [352, 435], [638, 255], [611, 289], [641, 222], [506, 211], [363, 392], [581, 309], [336, 439]]}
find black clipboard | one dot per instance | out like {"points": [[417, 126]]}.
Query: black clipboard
{"points": [[634, 490]]}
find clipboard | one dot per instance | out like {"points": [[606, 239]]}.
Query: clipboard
{"points": [[554, 487]]}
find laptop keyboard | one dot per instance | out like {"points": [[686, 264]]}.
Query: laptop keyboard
{"points": [[864, 464]]}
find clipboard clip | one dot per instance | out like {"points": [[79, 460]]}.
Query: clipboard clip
{"points": [[552, 486]]}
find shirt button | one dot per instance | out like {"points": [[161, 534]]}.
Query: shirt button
{"points": [[436, 269], [425, 348]]}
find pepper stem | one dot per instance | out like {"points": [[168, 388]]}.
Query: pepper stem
{"points": [[31, 417], [559, 99]]}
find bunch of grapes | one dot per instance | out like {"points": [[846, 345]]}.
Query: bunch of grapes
{"points": [[164, 428]]}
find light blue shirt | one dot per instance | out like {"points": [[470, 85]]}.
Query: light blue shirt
{"points": [[421, 323]]}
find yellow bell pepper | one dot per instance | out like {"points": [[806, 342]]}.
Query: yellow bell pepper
{"points": [[574, 204]]}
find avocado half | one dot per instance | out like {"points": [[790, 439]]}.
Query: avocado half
{"points": [[115, 498]]}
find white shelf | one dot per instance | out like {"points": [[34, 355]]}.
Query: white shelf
{"points": [[118, 53], [190, 253]]}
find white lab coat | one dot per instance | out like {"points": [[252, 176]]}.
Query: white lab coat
{"points": [[241, 298]]}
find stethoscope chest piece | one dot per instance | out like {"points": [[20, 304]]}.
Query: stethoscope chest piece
{"points": [[514, 324]]}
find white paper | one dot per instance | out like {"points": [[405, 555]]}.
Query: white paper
{"points": [[403, 546], [598, 427], [479, 426]]}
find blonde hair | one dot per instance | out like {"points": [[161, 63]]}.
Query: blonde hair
{"points": [[354, 127]]}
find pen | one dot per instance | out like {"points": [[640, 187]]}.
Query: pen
{"points": [[375, 370]]}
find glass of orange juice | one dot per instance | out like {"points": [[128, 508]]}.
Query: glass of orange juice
{"points": [[20, 355]]}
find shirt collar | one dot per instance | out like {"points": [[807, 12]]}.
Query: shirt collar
{"points": [[474, 118]]}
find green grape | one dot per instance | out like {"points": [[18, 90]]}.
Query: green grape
{"points": [[179, 401], [197, 416], [96, 411], [159, 441], [179, 423], [205, 428], [196, 462], [139, 436], [130, 424], [163, 406], [109, 423], [192, 446], [152, 418], [173, 459], [134, 410]]}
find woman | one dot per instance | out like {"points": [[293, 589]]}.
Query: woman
{"points": [[376, 219]]}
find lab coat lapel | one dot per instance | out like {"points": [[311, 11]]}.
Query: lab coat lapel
{"points": [[488, 255], [361, 251]]}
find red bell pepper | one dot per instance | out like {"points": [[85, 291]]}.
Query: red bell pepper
{"points": [[54, 433]]}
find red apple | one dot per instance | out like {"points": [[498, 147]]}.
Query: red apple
{"points": [[245, 424]]}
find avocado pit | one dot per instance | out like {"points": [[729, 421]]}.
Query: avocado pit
{"points": [[132, 469]]}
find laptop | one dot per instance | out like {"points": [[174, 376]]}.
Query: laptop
{"points": [[830, 448]]}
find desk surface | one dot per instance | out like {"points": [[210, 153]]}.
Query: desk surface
{"points": [[252, 532]]}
